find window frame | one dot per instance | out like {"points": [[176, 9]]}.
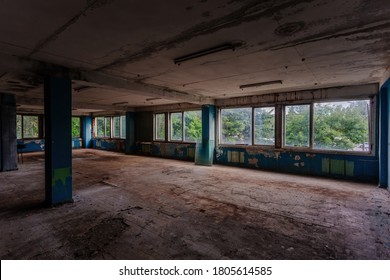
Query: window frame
{"points": [[252, 138], [253, 126], [310, 127], [80, 127], [170, 130], [168, 126], [40, 127], [121, 126], [155, 127], [280, 128], [184, 125], [110, 120], [220, 127], [371, 125]]}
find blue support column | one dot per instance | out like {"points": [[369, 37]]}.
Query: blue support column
{"points": [[8, 154], [384, 125], [58, 139], [130, 133], [205, 149], [87, 131]]}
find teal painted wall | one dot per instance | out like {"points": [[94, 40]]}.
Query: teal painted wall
{"points": [[115, 145]]}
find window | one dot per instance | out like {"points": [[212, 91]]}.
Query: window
{"points": [[114, 127], [183, 126], [19, 134], [119, 127], [297, 126], [264, 126], [159, 127], [123, 127], [177, 126], [27, 126], [192, 126], [116, 132], [342, 125], [236, 126], [107, 130], [100, 128], [76, 127]]}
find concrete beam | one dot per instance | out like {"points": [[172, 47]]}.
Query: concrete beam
{"points": [[97, 79], [102, 80], [78, 105], [334, 93]]}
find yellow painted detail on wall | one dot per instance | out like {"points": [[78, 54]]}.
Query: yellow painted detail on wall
{"points": [[337, 166], [349, 168], [61, 174], [325, 165]]}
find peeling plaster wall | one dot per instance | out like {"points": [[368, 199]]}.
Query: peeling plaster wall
{"points": [[116, 145], [36, 145], [351, 167], [181, 151]]}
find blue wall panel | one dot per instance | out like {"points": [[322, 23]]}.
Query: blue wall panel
{"points": [[37, 145], [115, 145]]}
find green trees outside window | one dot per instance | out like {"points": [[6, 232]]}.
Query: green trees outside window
{"points": [[177, 126], [160, 126], [236, 126], [111, 127], [264, 126], [297, 126], [100, 127], [342, 125], [76, 129], [337, 126], [192, 126], [184, 126], [27, 126]]}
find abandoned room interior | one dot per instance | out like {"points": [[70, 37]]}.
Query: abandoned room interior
{"points": [[194, 129]]}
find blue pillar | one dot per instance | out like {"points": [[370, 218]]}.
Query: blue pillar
{"points": [[58, 139], [130, 133], [87, 131], [384, 105], [205, 149], [8, 155]]}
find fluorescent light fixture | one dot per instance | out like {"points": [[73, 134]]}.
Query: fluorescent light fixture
{"points": [[204, 53], [261, 84], [120, 103]]}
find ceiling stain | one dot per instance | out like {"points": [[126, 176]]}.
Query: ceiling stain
{"points": [[290, 28], [91, 5], [249, 12], [206, 14], [333, 34]]}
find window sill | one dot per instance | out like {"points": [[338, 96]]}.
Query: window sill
{"points": [[298, 150]]}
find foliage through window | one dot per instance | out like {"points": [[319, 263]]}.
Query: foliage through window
{"points": [[114, 127], [27, 126], [76, 127], [192, 126], [297, 126], [236, 126], [183, 126], [177, 126], [160, 126], [264, 126], [342, 125], [100, 127]]}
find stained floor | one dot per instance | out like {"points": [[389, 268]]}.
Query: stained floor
{"points": [[130, 207]]}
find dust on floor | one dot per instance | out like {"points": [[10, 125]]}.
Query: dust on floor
{"points": [[130, 207]]}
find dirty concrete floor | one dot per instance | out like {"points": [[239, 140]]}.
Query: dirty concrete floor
{"points": [[130, 207]]}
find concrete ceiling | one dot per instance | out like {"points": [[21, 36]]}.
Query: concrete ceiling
{"points": [[121, 53]]}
